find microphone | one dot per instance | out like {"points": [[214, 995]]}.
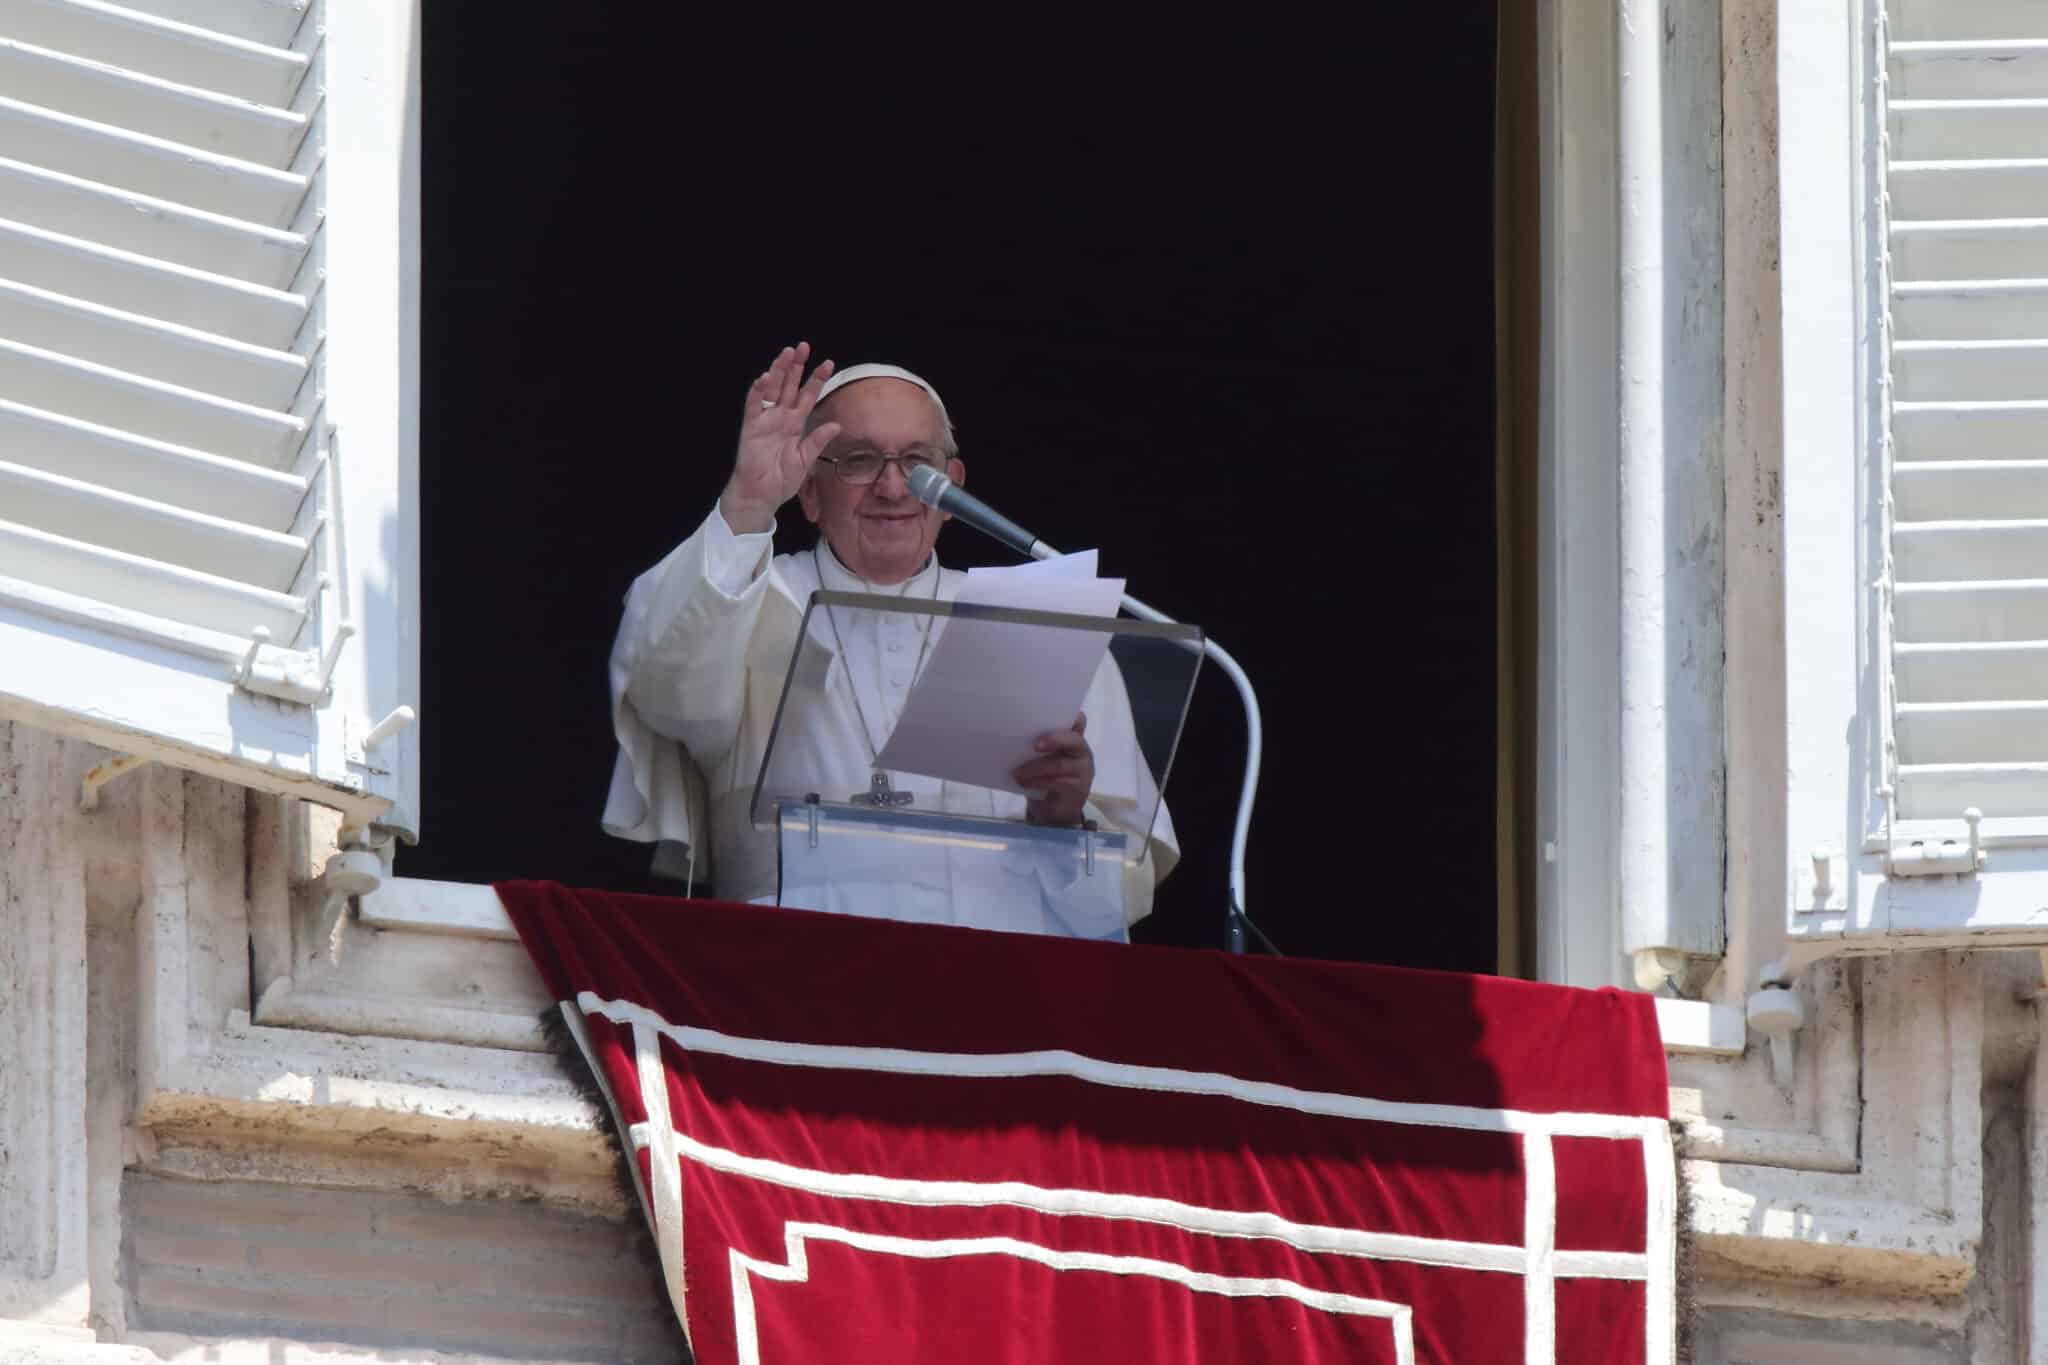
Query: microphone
{"points": [[932, 488]]}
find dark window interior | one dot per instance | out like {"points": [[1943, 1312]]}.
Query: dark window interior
{"points": [[1225, 314]]}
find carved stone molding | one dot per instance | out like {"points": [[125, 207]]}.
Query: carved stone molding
{"points": [[364, 1058], [1908, 1218]]}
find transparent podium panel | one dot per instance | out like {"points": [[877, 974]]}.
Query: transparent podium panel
{"points": [[888, 780], [949, 869]]}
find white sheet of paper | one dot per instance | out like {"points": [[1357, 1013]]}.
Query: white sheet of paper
{"points": [[1079, 564], [990, 688]]}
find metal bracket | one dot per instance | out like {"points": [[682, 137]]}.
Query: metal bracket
{"points": [[350, 872], [103, 773], [1775, 1009], [1655, 967], [359, 865], [1777, 1013]]}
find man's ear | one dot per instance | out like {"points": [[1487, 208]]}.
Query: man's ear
{"points": [[807, 495], [956, 470]]}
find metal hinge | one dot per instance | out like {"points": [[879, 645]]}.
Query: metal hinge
{"points": [[1931, 858], [289, 674]]}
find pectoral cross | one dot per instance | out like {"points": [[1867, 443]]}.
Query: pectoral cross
{"points": [[880, 793]]}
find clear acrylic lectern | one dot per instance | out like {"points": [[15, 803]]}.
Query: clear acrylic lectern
{"points": [[943, 838]]}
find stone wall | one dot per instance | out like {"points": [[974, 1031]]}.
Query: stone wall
{"points": [[384, 1162]]}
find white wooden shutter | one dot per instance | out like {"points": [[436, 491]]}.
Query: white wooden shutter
{"points": [[208, 385], [1967, 174], [1916, 465]]}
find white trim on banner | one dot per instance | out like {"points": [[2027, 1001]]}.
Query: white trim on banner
{"points": [[1539, 1234], [1122, 1075], [1399, 1317], [1504, 1258]]}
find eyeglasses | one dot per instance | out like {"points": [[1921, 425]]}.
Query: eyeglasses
{"points": [[865, 466]]}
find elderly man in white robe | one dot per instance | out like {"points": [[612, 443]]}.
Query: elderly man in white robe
{"points": [[708, 634]]}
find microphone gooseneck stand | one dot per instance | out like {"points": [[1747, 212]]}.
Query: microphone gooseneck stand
{"points": [[1254, 746], [936, 490]]}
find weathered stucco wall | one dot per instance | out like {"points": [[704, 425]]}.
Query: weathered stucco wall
{"points": [[383, 1163], [206, 1262]]}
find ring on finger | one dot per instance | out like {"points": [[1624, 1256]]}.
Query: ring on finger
{"points": [[767, 402]]}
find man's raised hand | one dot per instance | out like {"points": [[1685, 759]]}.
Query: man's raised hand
{"points": [[774, 454]]}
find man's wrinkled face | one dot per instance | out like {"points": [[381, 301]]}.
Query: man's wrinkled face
{"points": [[878, 530]]}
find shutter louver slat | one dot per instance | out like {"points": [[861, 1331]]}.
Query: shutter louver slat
{"points": [[151, 46], [1969, 551], [1967, 182], [159, 352], [147, 407], [175, 475], [156, 350], [1918, 21], [1969, 431], [1990, 189], [1970, 368], [124, 221], [1968, 612], [1962, 490], [137, 162], [1975, 732], [1975, 671], [1966, 70], [171, 294], [103, 516], [93, 571], [272, 23], [222, 124], [1961, 249], [1957, 310], [1969, 129]]}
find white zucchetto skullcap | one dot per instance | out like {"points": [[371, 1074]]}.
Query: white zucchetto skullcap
{"points": [[853, 374]]}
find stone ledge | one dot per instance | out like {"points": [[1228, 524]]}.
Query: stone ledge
{"points": [[1872, 1245], [380, 1113]]}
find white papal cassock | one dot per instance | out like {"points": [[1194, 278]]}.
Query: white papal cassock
{"points": [[696, 672]]}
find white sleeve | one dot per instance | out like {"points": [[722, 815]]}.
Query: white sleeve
{"points": [[733, 560], [689, 627], [678, 675]]}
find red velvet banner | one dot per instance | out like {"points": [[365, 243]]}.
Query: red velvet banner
{"points": [[859, 1140]]}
